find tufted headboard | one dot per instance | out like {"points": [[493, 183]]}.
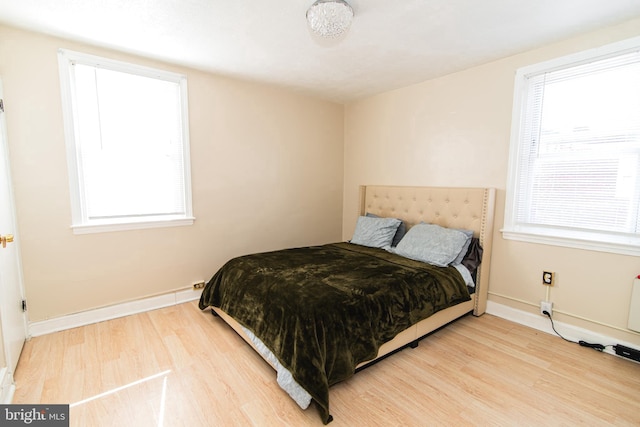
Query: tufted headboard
{"points": [[468, 208]]}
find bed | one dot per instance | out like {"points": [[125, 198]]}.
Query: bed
{"points": [[319, 314]]}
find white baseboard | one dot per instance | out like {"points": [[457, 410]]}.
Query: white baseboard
{"points": [[7, 387], [111, 312], [541, 323]]}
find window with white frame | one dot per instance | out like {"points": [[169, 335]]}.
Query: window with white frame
{"points": [[127, 139], [574, 167]]}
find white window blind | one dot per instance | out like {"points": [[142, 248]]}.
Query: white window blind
{"points": [[128, 144], [575, 160]]}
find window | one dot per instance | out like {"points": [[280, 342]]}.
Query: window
{"points": [[574, 167], [127, 144]]}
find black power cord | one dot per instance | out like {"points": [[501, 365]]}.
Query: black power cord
{"points": [[598, 347]]}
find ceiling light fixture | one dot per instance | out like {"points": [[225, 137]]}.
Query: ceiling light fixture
{"points": [[330, 18]]}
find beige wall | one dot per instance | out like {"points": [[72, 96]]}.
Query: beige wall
{"points": [[3, 360], [266, 173], [454, 131]]}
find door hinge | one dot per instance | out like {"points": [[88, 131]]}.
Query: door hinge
{"points": [[1, 106], [24, 305]]}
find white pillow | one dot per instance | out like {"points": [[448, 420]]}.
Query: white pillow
{"points": [[432, 244], [375, 232]]}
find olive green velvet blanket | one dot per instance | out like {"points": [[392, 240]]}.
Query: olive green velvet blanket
{"points": [[324, 309]]}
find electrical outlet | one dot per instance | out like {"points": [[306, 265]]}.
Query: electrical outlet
{"points": [[198, 285], [547, 278], [546, 306]]}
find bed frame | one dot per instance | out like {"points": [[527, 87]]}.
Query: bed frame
{"points": [[467, 208]]}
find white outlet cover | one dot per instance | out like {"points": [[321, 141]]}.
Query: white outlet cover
{"points": [[546, 306]]}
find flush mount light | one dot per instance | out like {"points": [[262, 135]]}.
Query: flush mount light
{"points": [[330, 18]]}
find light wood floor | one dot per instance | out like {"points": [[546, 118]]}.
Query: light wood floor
{"points": [[179, 366]]}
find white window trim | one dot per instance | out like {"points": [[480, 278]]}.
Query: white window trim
{"points": [[78, 224], [603, 242]]}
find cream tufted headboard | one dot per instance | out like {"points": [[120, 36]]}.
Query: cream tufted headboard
{"points": [[468, 208]]}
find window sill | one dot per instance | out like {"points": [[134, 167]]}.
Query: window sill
{"points": [[104, 228], [616, 247]]}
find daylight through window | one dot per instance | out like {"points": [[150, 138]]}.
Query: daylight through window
{"points": [[575, 153], [128, 144]]}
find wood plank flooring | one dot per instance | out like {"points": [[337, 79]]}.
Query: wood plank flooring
{"points": [[179, 366]]}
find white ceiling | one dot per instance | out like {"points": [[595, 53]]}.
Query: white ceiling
{"points": [[391, 44]]}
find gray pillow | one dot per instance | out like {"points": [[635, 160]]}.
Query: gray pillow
{"points": [[400, 232], [432, 244], [465, 247], [375, 232]]}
